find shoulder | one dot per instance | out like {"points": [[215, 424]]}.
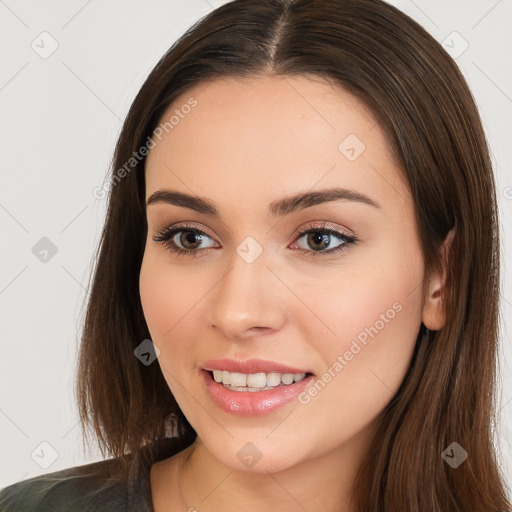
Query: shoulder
{"points": [[80, 488], [95, 487]]}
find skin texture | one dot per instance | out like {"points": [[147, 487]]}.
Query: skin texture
{"points": [[243, 146]]}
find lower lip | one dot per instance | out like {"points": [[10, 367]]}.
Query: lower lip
{"points": [[253, 403]]}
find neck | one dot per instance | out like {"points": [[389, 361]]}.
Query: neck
{"points": [[325, 482]]}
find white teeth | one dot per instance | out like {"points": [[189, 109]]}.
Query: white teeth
{"points": [[273, 379], [239, 379], [287, 378], [255, 381]]}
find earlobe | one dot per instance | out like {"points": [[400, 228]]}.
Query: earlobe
{"points": [[434, 314]]}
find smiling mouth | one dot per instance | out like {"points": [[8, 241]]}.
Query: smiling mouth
{"points": [[254, 382]]}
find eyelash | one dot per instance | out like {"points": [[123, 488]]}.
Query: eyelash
{"points": [[166, 235]]}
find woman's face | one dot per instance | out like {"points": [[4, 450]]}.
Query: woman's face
{"points": [[329, 286]]}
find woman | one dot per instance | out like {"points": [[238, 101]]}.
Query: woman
{"points": [[296, 295]]}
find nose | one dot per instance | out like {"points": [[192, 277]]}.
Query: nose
{"points": [[247, 301]]}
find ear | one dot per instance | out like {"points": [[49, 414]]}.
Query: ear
{"points": [[434, 315]]}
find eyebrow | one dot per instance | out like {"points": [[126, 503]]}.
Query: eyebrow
{"points": [[277, 208]]}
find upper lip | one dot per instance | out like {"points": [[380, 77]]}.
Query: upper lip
{"points": [[250, 366]]}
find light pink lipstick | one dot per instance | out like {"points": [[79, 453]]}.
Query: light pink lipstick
{"points": [[252, 403]]}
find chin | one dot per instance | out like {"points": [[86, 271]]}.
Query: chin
{"points": [[258, 457]]}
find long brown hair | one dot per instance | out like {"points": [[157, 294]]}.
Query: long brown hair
{"points": [[422, 102]]}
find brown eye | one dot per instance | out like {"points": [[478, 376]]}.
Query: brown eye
{"points": [[190, 239], [183, 241], [319, 241]]}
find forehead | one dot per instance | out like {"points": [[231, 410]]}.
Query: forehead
{"points": [[266, 137]]}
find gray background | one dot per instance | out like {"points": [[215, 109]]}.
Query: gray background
{"points": [[60, 116]]}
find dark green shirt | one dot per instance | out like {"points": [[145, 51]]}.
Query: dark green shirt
{"points": [[83, 489]]}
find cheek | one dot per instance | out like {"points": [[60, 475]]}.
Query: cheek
{"points": [[378, 307], [381, 304], [365, 363], [153, 298], [376, 316], [373, 325], [166, 297]]}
